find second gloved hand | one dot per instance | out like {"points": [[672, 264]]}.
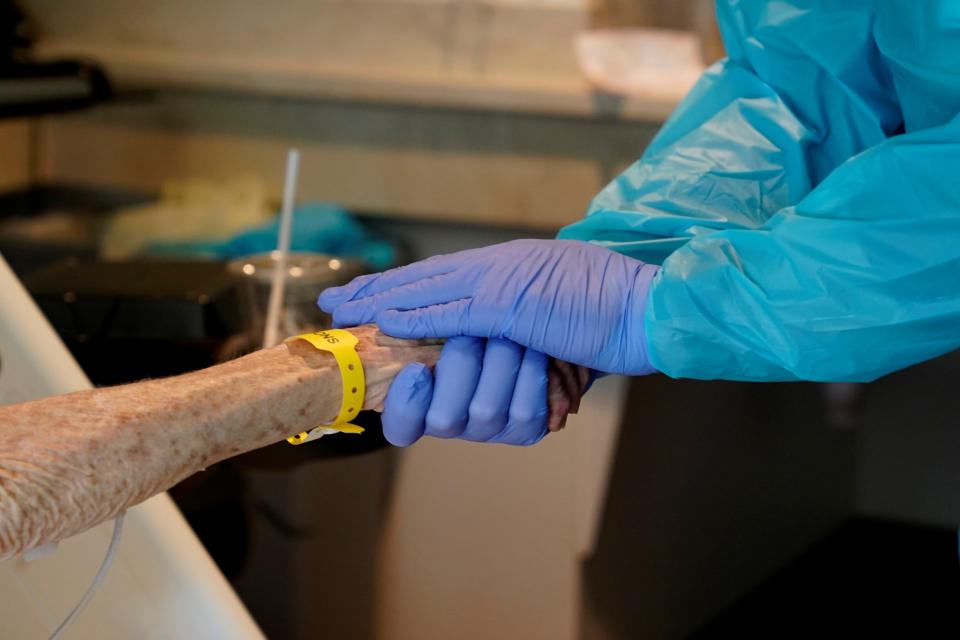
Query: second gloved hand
{"points": [[572, 300], [483, 391]]}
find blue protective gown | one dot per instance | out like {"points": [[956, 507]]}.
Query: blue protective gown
{"points": [[804, 198]]}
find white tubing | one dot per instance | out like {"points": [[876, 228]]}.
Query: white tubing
{"points": [[272, 328], [97, 579]]}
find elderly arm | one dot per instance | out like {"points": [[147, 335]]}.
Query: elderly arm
{"points": [[72, 461]]}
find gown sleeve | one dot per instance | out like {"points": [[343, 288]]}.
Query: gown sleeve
{"points": [[800, 236]]}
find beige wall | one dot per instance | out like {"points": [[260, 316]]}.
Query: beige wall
{"points": [[480, 544], [399, 35], [481, 167], [514, 55], [486, 541]]}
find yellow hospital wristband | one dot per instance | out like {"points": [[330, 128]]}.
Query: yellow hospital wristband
{"points": [[341, 344]]}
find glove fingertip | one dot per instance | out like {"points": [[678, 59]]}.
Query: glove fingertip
{"points": [[329, 299]]}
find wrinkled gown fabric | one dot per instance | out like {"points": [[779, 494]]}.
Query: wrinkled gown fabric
{"points": [[803, 199]]}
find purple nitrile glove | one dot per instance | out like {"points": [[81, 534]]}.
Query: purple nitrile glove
{"points": [[482, 391], [572, 300]]}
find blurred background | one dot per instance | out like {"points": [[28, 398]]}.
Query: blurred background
{"points": [[142, 150]]}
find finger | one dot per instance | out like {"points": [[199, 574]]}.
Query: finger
{"points": [[405, 409], [455, 382], [332, 297], [557, 401], [584, 378], [490, 406], [439, 321], [422, 293], [568, 378], [371, 284], [527, 422]]}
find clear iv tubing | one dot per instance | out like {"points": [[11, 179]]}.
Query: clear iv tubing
{"points": [[97, 579], [271, 330]]}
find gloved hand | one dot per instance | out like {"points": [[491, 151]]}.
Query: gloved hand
{"points": [[485, 391], [572, 300]]}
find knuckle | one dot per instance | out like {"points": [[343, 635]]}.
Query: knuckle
{"points": [[486, 420], [444, 425], [484, 412], [528, 416]]}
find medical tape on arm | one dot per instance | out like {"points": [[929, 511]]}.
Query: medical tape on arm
{"points": [[341, 344]]}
